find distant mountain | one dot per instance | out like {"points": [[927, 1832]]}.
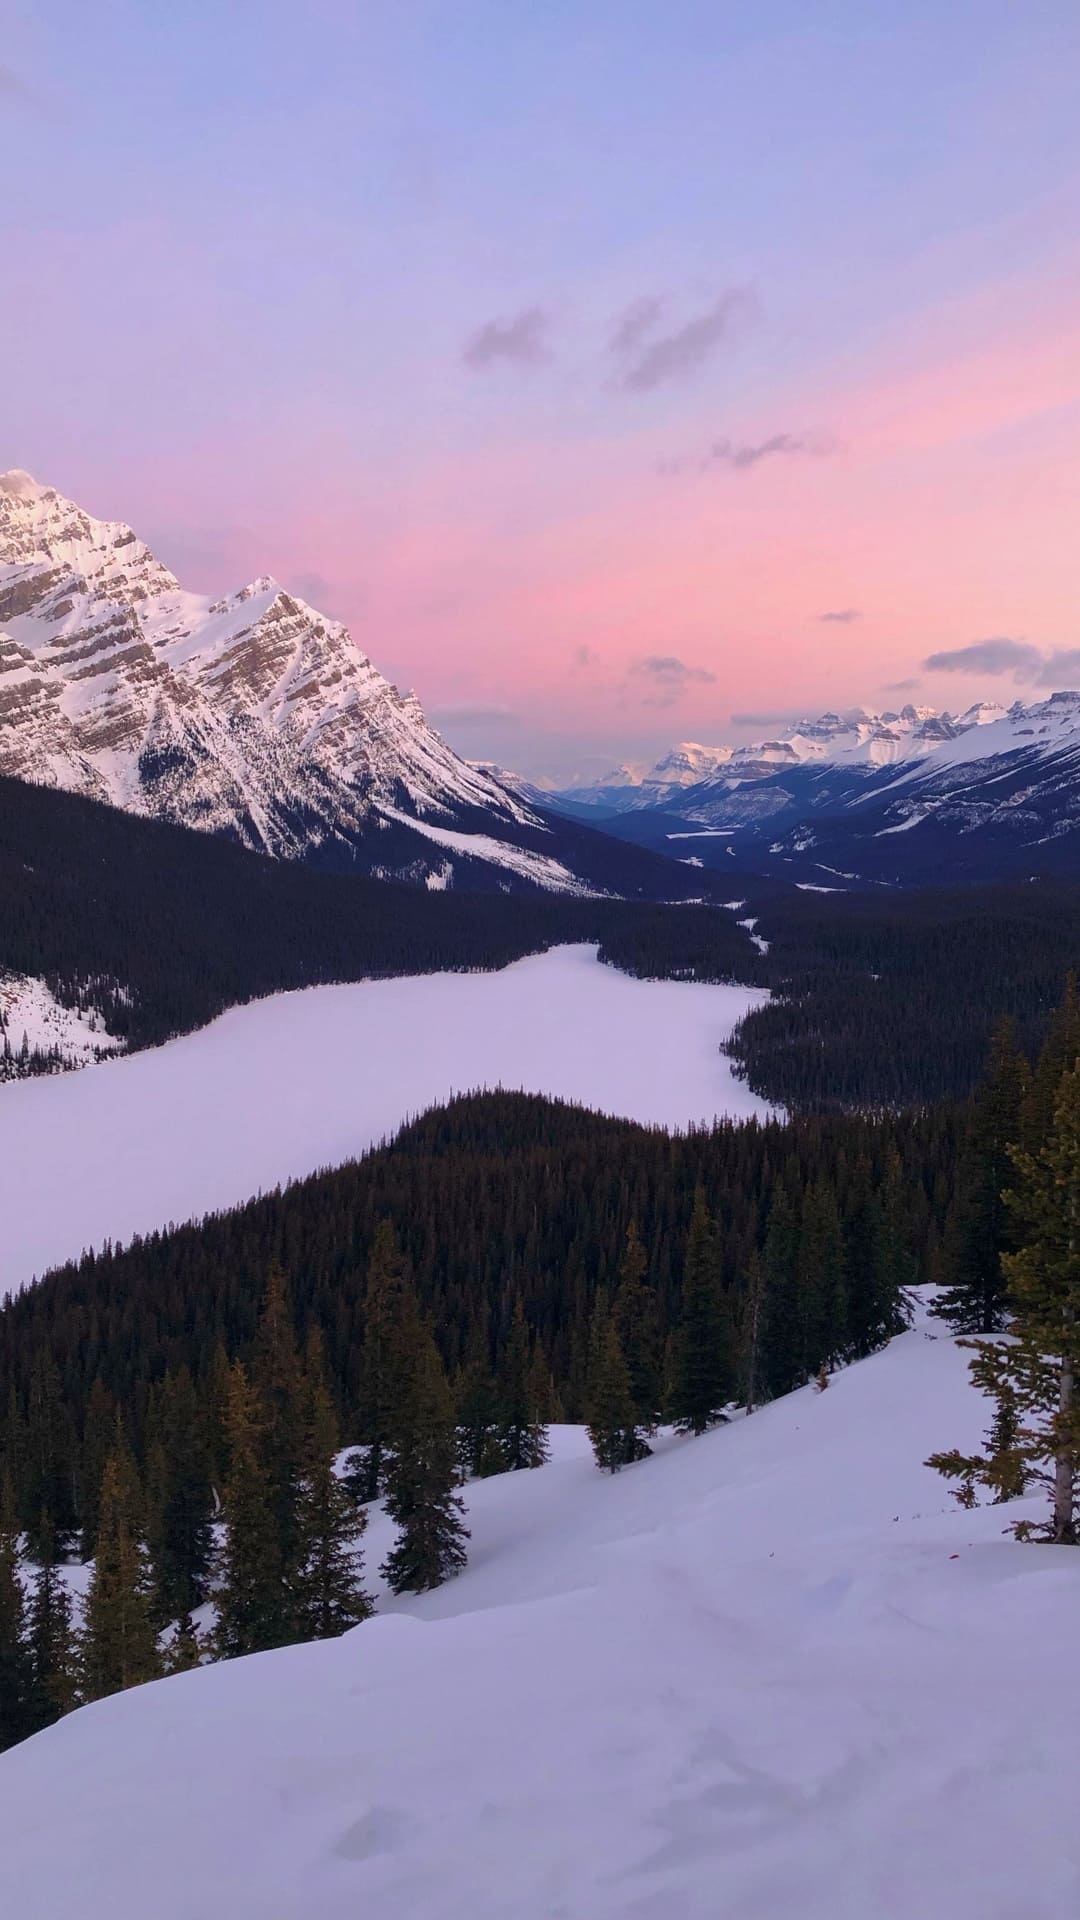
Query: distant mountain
{"points": [[254, 716], [852, 739], [907, 798]]}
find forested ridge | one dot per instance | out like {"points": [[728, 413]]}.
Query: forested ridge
{"points": [[496, 1199], [890, 998]]}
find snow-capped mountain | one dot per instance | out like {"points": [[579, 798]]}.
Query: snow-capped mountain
{"points": [[908, 797], [1003, 799], [252, 715], [854, 739]]}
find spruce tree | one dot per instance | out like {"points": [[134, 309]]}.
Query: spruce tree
{"points": [[974, 1296], [702, 1375], [254, 1607], [420, 1494], [53, 1651], [386, 1295], [181, 1524], [521, 1431], [16, 1670], [821, 1280], [328, 1595], [477, 1409], [186, 1649], [753, 1332], [636, 1315], [119, 1644], [1034, 1376], [612, 1415], [277, 1383], [784, 1325]]}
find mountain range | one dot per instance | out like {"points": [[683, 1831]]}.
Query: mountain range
{"points": [[988, 793], [254, 716]]}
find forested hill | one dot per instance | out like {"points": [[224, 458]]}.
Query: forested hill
{"points": [[889, 999], [500, 1202], [160, 928]]}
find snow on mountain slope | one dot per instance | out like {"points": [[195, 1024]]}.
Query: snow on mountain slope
{"points": [[690, 776], [307, 1080], [770, 1672], [253, 715], [31, 1016]]}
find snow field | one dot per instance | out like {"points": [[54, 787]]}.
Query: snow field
{"points": [[770, 1672]]}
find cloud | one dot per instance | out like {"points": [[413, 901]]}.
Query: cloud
{"points": [[902, 686], [842, 616], [741, 456], [586, 657], [1062, 664], [633, 327], [521, 341], [999, 655], [652, 357], [669, 678], [763, 719]]}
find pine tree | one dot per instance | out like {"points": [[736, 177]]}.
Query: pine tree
{"points": [[702, 1379], [821, 1280], [1059, 1054], [276, 1380], [753, 1331], [186, 1650], [521, 1431], [16, 1670], [254, 1607], [99, 1439], [974, 1296], [119, 1644], [387, 1292], [477, 1409], [612, 1415], [421, 1494], [328, 1594], [53, 1653], [784, 1344], [636, 1315], [181, 1529], [1033, 1377]]}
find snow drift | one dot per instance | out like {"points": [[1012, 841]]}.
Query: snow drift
{"points": [[773, 1671]]}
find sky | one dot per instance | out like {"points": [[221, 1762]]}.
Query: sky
{"points": [[622, 371]]}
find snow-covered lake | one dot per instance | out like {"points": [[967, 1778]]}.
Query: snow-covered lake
{"points": [[277, 1089]]}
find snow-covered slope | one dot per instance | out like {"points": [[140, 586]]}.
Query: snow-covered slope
{"points": [[770, 1672], [307, 1080], [252, 715]]}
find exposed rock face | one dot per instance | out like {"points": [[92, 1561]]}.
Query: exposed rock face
{"points": [[252, 715]]}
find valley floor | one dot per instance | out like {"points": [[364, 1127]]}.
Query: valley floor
{"points": [[770, 1672], [287, 1085]]}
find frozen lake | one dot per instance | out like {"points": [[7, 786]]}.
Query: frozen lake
{"points": [[287, 1085]]}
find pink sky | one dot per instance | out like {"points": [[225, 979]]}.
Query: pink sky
{"points": [[580, 359]]}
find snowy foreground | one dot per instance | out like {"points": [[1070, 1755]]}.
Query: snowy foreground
{"points": [[770, 1673], [300, 1081]]}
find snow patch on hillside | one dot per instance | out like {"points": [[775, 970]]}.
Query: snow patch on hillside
{"points": [[300, 1081], [774, 1671], [30, 1012]]}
